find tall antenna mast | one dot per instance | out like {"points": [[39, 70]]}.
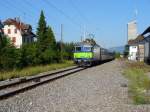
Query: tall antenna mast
{"points": [[135, 11], [84, 33], [136, 14]]}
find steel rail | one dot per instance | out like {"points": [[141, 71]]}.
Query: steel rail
{"points": [[52, 77], [25, 79]]}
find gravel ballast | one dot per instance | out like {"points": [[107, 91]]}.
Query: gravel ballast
{"points": [[97, 89]]}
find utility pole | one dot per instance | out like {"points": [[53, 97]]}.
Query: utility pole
{"points": [[81, 38], [61, 42], [84, 33]]}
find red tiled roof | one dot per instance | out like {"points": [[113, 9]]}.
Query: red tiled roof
{"points": [[20, 25], [25, 28], [138, 39]]}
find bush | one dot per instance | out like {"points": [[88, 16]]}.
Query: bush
{"points": [[67, 50], [117, 55], [28, 71], [29, 55], [48, 56], [9, 55], [9, 58]]}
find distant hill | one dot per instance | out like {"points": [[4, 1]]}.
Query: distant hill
{"points": [[117, 49]]}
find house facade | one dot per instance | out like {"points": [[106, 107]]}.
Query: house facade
{"points": [[139, 48], [133, 50], [18, 32]]}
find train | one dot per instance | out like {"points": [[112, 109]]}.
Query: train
{"points": [[86, 54]]}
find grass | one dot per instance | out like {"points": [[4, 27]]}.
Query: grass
{"points": [[138, 65], [139, 82], [30, 71]]}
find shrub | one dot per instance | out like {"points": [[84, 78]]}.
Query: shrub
{"points": [[9, 55]]}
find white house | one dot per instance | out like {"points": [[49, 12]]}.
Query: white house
{"points": [[133, 52], [18, 32]]}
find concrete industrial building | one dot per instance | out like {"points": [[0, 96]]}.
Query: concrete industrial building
{"points": [[131, 38], [132, 30]]}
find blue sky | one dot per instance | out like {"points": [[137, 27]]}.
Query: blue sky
{"points": [[106, 19]]}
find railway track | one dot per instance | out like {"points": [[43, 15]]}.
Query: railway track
{"points": [[10, 89]]}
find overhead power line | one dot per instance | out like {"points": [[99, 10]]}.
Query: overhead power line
{"points": [[62, 13], [82, 16], [12, 8], [37, 9], [19, 9]]}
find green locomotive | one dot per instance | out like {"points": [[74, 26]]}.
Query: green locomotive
{"points": [[86, 54]]}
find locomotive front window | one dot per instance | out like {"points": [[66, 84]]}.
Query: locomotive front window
{"points": [[78, 49], [87, 49]]}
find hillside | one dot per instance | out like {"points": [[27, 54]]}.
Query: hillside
{"points": [[117, 49]]}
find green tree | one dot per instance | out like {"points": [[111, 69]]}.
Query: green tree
{"points": [[67, 51], [9, 55], [51, 41], [42, 33], [126, 51], [117, 54], [29, 55], [3, 41], [0, 40], [46, 42]]}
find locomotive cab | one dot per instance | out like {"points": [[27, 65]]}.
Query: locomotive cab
{"points": [[83, 55]]}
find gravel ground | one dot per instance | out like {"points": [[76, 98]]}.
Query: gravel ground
{"points": [[97, 89]]}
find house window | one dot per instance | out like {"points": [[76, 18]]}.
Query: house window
{"points": [[15, 30], [14, 40], [9, 31]]}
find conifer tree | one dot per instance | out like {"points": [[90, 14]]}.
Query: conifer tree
{"points": [[41, 32], [51, 38], [47, 50]]}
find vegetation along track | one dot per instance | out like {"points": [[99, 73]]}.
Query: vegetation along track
{"points": [[11, 89]]}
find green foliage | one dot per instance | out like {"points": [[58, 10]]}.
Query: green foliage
{"points": [[51, 41], [117, 54], [67, 51], [42, 33], [126, 51], [9, 54], [46, 43], [29, 55], [4, 42], [44, 51], [48, 56], [28, 71]]}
